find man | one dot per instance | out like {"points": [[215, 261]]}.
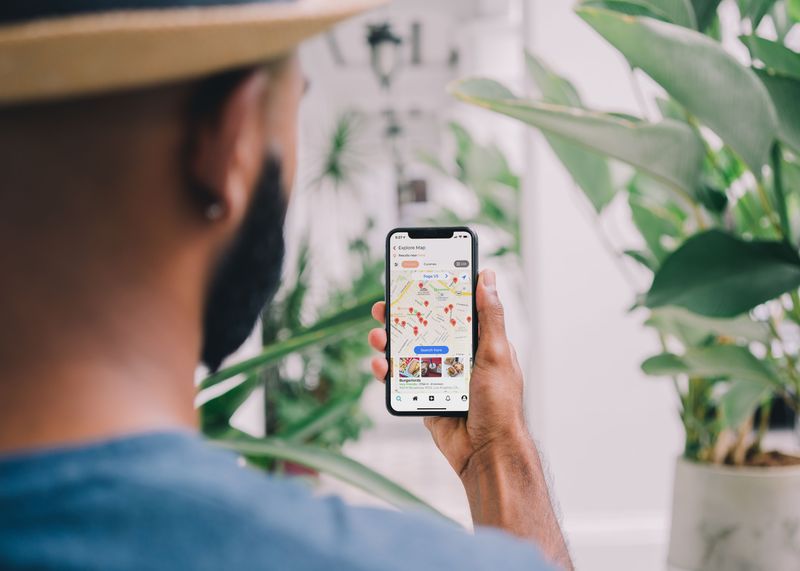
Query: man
{"points": [[147, 149]]}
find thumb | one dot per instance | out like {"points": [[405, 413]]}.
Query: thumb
{"points": [[491, 318]]}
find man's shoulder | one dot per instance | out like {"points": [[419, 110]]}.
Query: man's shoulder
{"points": [[174, 501], [286, 520]]}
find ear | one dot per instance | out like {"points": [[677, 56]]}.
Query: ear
{"points": [[228, 152]]}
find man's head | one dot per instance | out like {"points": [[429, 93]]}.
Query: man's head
{"points": [[147, 149], [248, 272], [177, 193]]}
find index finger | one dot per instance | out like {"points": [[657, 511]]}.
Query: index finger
{"points": [[379, 311]]}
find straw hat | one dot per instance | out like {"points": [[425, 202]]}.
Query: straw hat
{"points": [[51, 49]]}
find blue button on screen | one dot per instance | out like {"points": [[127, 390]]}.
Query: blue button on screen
{"points": [[431, 349]]}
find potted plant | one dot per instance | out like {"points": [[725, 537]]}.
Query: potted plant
{"points": [[713, 187]]}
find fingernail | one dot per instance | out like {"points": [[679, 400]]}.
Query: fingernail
{"points": [[489, 278]]}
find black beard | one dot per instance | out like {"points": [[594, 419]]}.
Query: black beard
{"points": [[249, 274]]}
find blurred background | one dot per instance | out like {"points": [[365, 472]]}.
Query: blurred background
{"points": [[382, 145]]}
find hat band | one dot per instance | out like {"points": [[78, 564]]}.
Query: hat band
{"points": [[13, 12]]}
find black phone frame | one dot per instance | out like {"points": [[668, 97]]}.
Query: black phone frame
{"points": [[429, 232]]}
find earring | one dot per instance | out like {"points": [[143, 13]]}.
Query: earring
{"points": [[214, 211]]}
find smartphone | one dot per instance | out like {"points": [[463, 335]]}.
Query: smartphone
{"points": [[431, 321]]}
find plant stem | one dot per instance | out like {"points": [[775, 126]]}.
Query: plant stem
{"points": [[765, 203], [674, 378], [752, 221], [763, 424], [701, 223], [795, 312], [692, 120], [780, 196], [768, 210]]}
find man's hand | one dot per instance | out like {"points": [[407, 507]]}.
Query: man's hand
{"points": [[491, 450], [495, 387]]}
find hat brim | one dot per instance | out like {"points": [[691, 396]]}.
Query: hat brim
{"points": [[96, 53]]}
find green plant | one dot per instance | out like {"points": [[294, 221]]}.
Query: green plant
{"points": [[311, 410], [713, 187], [330, 375]]}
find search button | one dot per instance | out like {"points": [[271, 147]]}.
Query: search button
{"points": [[431, 349]]}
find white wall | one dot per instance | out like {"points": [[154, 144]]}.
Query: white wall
{"points": [[609, 434]]}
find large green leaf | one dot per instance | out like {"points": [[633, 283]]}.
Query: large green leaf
{"points": [[631, 7], [588, 169], [670, 151], [720, 275], [349, 321], [715, 361], [678, 12], [785, 94], [740, 401], [794, 9], [692, 329], [332, 463], [704, 11], [664, 365], [777, 58], [699, 74]]}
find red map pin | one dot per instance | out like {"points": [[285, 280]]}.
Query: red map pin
{"points": [[455, 280], [397, 320], [469, 318], [446, 309], [426, 303], [420, 284], [452, 322], [403, 323], [411, 310]]}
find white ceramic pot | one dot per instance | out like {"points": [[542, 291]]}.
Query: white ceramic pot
{"points": [[735, 519]]}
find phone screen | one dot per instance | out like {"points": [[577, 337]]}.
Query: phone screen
{"points": [[430, 320]]}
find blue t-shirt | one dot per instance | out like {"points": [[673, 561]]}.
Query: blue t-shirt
{"points": [[168, 500]]}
